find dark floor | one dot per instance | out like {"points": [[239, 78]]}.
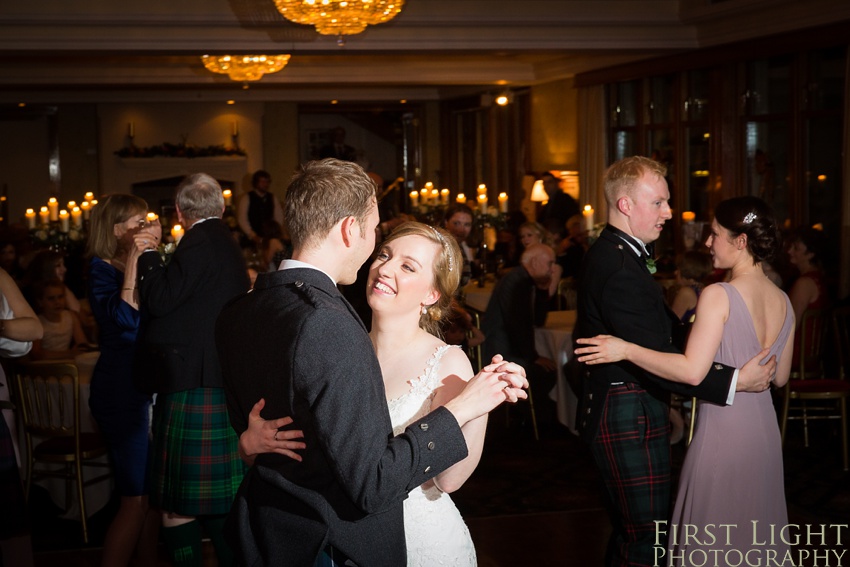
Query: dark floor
{"points": [[532, 503]]}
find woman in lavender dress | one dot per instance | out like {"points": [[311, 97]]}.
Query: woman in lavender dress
{"points": [[733, 470]]}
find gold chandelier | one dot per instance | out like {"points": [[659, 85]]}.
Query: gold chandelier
{"points": [[245, 68], [339, 17]]}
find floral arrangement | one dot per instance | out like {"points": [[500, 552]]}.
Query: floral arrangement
{"points": [[178, 150], [51, 236]]}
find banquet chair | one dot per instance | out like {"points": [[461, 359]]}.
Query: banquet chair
{"points": [[567, 299], [52, 429], [808, 382]]}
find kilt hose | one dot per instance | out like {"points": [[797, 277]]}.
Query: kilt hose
{"points": [[196, 469], [632, 452]]}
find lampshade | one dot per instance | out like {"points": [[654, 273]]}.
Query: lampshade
{"points": [[538, 193]]}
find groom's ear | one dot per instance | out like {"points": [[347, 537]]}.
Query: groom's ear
{"points": [[346, 228]]}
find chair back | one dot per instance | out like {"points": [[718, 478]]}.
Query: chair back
{"points": [[567, 294], [43, 399], [841, 332], [474, 352], [811, 330]]}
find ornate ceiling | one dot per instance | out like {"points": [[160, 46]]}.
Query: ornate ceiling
{"points": [[102, 50]]}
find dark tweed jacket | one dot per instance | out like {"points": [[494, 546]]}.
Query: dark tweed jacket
{"points": [[295, 341], [618, 296]]}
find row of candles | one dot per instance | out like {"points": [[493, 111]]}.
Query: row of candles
{"points": [[75, 215], [430, 196]]}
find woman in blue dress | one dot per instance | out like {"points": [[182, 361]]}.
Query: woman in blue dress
{"points": [[121, 411]]}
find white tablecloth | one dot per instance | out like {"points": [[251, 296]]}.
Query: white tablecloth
{"points": [[478, 297], [555, 341]]}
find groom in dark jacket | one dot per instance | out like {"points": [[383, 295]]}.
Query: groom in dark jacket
{"points": [[624, 414], [295, 341]]}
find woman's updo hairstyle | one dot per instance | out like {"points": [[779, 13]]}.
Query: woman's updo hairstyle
{"points": [[754, 218], [448, 264]]}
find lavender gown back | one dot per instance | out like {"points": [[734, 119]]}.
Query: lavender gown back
{"points": [[732, 473]]}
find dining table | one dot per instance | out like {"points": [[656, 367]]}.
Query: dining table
{"points": [[476, 295], [554, 340]]}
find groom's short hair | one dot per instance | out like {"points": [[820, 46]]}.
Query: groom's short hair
{"points": [[322, 193]]}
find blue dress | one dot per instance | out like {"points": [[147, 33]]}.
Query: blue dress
{"points": [[122, 412]]}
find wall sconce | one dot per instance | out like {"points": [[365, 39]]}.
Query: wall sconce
{"points": [[504, 98]]}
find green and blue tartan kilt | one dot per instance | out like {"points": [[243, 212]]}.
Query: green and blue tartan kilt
{"points": [[196, 468]]}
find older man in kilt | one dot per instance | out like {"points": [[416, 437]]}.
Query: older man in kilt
{"points": [[196, 469]]}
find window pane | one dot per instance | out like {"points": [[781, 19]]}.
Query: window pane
{"points": [[768, 86], [623, 104], [767, 159], [825, 88], [823, 174], [624, 145], [696, 96], [697, 167], [660, 105]]}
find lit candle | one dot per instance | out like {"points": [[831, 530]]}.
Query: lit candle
{"points": [[228, 197], [177, 233], [93, 202], [44, 215], [689, 216], [482, 203], [77, 217], [423, 196], [588, 217], [152, 217], [234, 128], [131, 129], [53, 207], [71, 205], [85, 206], [414, 199], [30, 218], [482, 189], [89, 196], [503, 202], [461, 198], [444, 196], [435, 196], [63, 221]]}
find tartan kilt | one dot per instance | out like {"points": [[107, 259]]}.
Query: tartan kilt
{"points": [[196, 469]]}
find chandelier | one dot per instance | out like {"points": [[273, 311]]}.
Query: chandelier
{"points": [[339, 17], [245, 68]]}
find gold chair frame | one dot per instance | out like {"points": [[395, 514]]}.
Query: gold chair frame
{"points": [[52, 429]]}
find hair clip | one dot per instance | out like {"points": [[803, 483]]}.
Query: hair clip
{"points": [[445, 246], [750, 218]]}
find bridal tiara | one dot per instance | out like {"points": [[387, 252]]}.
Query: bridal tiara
{"points": [[445, 246]]}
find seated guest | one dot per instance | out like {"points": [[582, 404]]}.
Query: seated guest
{"points": [[458, 221], [692, 269], [62, 327], [809, 289], [457, 328], [572, 248], [46, 266], [518, 304]]}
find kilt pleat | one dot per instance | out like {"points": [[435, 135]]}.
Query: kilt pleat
{"points": [[196, 468]]}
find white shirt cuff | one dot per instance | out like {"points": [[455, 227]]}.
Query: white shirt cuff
{"points": [[731, 397]]}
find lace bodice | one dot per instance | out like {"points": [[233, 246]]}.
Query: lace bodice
{"points": [[416, 403]]}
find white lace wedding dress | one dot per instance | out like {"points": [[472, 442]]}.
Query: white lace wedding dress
{"points": [[435, 532]]}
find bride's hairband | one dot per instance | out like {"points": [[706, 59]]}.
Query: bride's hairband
{"points": [[445, 246]]}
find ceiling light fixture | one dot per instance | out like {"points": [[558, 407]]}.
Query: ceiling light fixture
{"points": [[339, 17], [245, 68]]}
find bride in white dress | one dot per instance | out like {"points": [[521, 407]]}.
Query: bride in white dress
{"points": [[410, 286]]}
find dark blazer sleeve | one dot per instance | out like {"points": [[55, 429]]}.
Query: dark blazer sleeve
{"points": [[162, 289], [347, 409], [635, 312]]}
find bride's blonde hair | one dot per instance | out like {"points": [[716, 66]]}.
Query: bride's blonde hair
{"points": [[447, 268]]}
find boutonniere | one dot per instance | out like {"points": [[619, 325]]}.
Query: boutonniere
{"points": [[650, 265]]}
